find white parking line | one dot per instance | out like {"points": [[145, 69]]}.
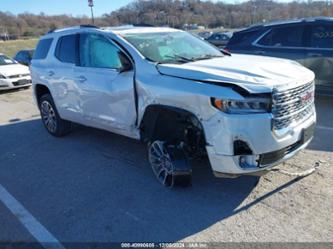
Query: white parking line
{"points": [[41, 234], [324, 127]]}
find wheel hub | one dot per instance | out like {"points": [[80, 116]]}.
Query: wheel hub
{"points": [[48, 116], [168, 171]]}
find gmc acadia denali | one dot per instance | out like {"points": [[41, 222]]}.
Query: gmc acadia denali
{"points": [[178, 94]]}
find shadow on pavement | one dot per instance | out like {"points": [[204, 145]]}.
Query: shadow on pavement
{"points": [[14, 90], [96, 186]]}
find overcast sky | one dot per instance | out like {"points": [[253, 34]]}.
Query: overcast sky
{"points": [[74, 7]]}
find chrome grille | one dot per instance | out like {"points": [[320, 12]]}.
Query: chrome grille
{"points": [[292, 105], [17, 76]]}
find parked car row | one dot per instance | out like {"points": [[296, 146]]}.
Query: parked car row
{"points": [[308, 41], [182, 96]]}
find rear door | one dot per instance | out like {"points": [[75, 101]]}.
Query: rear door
{"points": [[106, 91], [61, 78], [285, 41], [320, 53]]}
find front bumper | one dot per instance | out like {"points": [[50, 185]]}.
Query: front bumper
{"points": [[233, 161], [268, 148], [7, 84]]}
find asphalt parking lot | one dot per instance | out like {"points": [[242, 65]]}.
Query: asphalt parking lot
{"points": [[94, 186]]}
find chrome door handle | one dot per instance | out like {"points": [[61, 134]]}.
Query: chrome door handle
{"points": [[51, 73], [81, 79]]}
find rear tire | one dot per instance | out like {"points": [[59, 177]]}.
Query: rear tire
{"points": [[53, 123], [169, 164]]}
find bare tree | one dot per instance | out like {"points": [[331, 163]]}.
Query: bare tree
{"points": [[174, 13]]}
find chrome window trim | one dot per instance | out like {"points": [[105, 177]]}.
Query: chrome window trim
{"points": [[256, 44]]}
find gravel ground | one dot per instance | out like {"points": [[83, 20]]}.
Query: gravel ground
{"points": [[17, 105], [94, 186]]}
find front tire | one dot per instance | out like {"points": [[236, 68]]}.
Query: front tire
{"points": [[169, 164], [53, 123]]}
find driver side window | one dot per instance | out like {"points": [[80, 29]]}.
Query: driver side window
{"points": [[98, 52], [289, 36]]}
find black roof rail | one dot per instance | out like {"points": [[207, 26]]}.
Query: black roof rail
{"points": [[142, 25], [323, 18], [80, 26], [51, 31], [88, 26]]}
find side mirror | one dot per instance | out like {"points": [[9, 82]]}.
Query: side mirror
{"points": [[125, 62]]}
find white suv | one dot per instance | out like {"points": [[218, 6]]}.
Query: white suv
{"points": [[178, 94]]}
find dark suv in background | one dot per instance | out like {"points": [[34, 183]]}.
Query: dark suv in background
{"points": [[308, 41], [24, 56]]}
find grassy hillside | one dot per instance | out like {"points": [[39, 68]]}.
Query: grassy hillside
{"points": [[11, 47]]}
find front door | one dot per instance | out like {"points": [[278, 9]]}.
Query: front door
{"points": [[106, 91]]}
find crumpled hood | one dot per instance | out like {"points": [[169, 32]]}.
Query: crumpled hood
{"points": [[254, 73], [14, 69]]}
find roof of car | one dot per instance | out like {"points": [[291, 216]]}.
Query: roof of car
{"points": [[129, 29], [120, 30], [290, 21]]}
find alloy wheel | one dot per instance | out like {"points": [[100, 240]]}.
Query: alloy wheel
{"points": [[161, 163], [49, 117]]}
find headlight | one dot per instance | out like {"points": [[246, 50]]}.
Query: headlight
{"points": [[247, 106], [2, 77]]}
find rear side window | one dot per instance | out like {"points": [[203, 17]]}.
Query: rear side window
{"points": [[322, 36], [243, 37], [66, 48], [42, 49], [284, 37]]}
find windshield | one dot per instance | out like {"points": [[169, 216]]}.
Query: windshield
{"points": [[4, 60], [172, 47]]}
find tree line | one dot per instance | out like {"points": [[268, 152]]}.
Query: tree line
{"points": [[174, 13]]}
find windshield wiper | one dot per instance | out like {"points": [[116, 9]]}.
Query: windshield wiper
{"points": [[206, 57], [179, 58]]}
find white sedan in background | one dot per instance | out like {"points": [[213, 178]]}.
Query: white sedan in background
{"points": [[12, 74]]}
